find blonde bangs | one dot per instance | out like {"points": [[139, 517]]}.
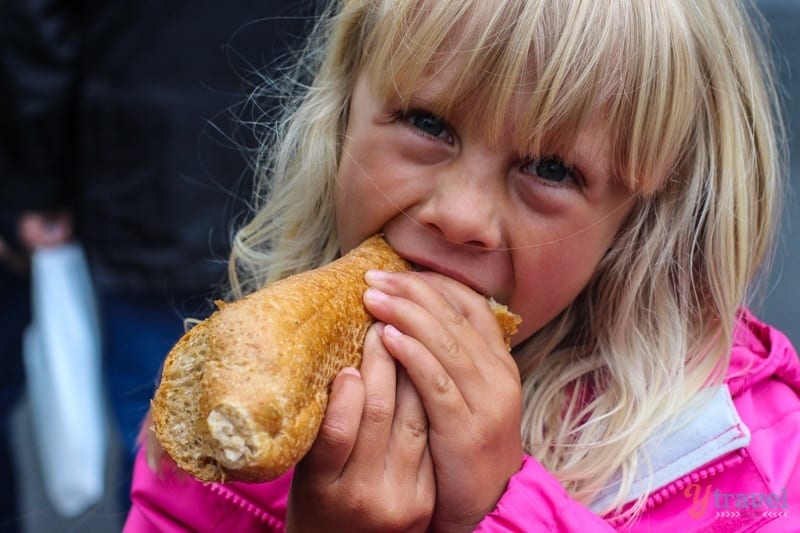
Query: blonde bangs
{"points": [[566, 62]]}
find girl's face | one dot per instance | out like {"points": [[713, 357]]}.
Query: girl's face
{"points": [[526, 229]]}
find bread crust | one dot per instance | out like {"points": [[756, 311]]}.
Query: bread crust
{"points": [[243, 393]]}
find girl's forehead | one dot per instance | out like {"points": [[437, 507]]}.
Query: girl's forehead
{"points": [[481, 62], [502, 105], [552, 65]]}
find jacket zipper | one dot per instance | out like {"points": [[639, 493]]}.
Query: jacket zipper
{"points": [[247, 506], [663, 494]]}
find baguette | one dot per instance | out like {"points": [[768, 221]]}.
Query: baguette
{"points": [[243, 393]]}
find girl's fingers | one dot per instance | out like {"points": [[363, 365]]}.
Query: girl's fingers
{"points": [[459, 310], [474, 307], [337, 434], [479, 314], [441, 396], [448, 340], [426, 485], [423, 314], [378, 370], [409, 437], [357, 425], [408, 459]]}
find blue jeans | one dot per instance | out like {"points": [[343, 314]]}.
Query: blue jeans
{"points": [[139, 331]]}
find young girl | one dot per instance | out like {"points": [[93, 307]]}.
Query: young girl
{"points": [[609, 170]]}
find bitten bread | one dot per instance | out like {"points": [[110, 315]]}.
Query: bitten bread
{"points": [[243, 393]]}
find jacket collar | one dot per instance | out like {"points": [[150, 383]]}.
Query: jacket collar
{"points": [[713, 428], [694, 439]]}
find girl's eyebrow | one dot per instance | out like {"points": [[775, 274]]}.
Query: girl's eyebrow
{"points": [[426, 90], [418, 98], [605, 175]]}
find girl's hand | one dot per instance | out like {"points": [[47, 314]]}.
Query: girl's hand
{"points": [[370, 468], [448, 340]]}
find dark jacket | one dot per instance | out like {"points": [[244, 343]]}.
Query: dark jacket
{"points": [[124, 111]]}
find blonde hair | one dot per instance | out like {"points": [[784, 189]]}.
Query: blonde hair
{"points": [[685, 90]]}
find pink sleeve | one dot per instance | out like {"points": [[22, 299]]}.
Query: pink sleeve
{"points": [[536, 501], [165, 501], [171, 501]]}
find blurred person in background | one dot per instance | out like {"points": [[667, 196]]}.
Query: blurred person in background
{"points": [[14, 316], [119, 125]]}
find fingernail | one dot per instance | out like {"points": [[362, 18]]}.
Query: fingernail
{"points": [[373, 277], [350, 371], [374, 295], [379, 328], [338, 382], [391, 331]]}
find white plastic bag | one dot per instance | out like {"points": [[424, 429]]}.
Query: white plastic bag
{"points": [[62, 355]]}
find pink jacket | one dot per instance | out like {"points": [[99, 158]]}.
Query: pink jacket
{"points": [[732, 466]]}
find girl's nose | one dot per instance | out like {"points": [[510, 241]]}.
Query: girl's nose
{"points": [[464, 210]]}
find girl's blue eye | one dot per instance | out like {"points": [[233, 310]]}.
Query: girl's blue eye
{"points": [[427, 123], [550, 169]]}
